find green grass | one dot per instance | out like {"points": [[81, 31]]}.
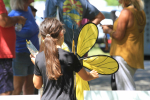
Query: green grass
{"points": [[96, 51]]}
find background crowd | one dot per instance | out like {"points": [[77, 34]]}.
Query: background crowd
{"points": [[17, 69]]}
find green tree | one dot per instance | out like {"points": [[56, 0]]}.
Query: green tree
{"points": [[6, 2], [109, 2], [112, 2]]}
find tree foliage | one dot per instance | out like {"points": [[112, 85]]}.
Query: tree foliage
{"points": [[109, 2], [6, 2], [112, 2]]}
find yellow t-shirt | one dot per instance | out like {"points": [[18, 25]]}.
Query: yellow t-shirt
{"points": [[131, 47]]}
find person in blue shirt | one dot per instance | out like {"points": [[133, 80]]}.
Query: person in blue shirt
{"points": [[23, 68], [71, 13]]}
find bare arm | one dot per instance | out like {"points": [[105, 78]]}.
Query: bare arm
{"points": [[37, 81], [98, 18], [88, 76], [123, 24], [32, 59], [6, 21]]}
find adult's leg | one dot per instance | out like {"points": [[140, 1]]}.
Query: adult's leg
{"points": [[20, 68], [6, 77], [124, 76], [6, 93], [28, 87], [18, 84]]}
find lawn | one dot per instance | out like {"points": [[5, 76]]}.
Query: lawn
{"points": [[96, 51]]}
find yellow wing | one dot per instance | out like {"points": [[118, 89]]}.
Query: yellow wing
{"points": [[86, 39], [103, 64], [65, 47], [81, 85]]}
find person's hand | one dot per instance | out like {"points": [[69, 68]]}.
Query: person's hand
{"points": [[105, 28], [22, 20], [32, 58], [94, 74], [110, 26]]}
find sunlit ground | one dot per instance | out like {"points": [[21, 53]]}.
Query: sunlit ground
{"points": [[141, 76], [96, 51]]}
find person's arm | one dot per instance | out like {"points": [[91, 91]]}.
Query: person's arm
{"points": [[32, 59], [37, 81], [92, 13], [37, 78], [50, 8], [123, 23], [98, 18], [6, 21], [78, 68], [87, 76]]}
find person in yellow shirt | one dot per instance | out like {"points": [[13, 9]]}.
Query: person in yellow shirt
{"points": [[128, 42]]}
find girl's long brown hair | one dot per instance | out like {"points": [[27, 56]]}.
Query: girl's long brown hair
{"points": [[50, 29]]}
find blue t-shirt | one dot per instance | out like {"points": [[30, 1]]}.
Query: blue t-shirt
{"points": [[71, 13], [29, 31]]}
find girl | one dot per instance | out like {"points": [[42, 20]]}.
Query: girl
{"points": [[54, 67]]}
